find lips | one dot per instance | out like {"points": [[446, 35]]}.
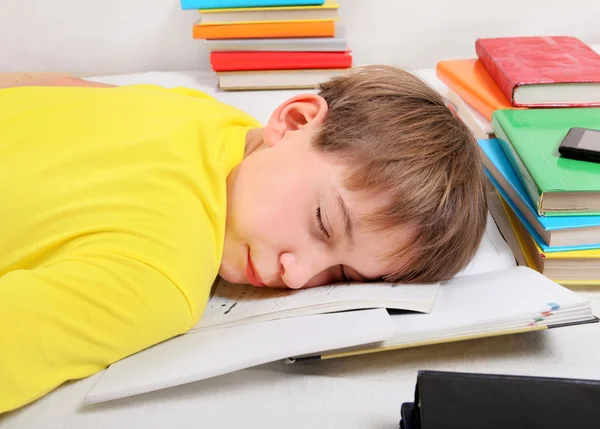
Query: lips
{"points": [[251, 274]]}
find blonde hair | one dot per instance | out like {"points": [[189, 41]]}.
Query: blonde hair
{"points": [[401, 138]]}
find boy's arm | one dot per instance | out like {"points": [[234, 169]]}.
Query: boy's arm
{"points": [[59, 81], [74, 318]]}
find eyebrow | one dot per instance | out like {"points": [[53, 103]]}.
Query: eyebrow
{"points": [[347, 217]]}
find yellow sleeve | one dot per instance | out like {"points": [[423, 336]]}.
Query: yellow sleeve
{"points": [[74, 318]]}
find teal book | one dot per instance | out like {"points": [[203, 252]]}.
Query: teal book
{"points": [[552, 234], [227, 4], [530, 138]]}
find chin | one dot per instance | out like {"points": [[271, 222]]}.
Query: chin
{"points": [[228, 274]]}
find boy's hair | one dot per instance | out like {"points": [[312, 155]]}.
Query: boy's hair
{"points": [[399, 137]]}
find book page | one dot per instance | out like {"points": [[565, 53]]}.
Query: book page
{"points": [[233, 304], [515, 295], [203, 355]]}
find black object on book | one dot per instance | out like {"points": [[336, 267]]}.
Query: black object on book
{"points": [[451, 400], [581, 144]]}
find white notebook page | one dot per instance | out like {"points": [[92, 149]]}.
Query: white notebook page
{"points": [[233, 304], [203, 355], [519, 295]]}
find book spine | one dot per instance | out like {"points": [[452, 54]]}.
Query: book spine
{"points": [[531, 186], [265, 30], [226, 4], [313, 44], [239, 61], [496, 71]]}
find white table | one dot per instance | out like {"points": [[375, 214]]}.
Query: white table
{"points": [[358, 392]]}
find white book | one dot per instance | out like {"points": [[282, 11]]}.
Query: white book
{"points": [[509, 301], [235, 305], [266, 325], [202, 355], [276, 79]]}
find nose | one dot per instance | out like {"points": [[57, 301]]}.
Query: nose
{"points": [[298, 272]]}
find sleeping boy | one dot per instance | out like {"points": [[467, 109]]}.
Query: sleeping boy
{"points": [[120, 206]]}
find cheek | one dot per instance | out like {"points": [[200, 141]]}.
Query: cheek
{"points": [[274, 203]]}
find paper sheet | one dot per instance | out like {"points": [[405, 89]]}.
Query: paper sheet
{"points": [[232, 303]]}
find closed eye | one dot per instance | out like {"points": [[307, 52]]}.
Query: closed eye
{"points": [[320, 223]]}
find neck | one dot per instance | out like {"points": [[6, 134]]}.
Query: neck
{"points": [[254, 138]]}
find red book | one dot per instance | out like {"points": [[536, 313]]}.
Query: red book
{"points": [[222, 61], [542, 71]]}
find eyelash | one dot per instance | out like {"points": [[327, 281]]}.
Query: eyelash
{"points": [[320, 222], [345, 278]]}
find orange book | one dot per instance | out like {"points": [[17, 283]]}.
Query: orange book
{"points": [[262, 30], [470, 80]]}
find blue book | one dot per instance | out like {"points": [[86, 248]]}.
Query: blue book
{"points": [[227, 4], [552, 234]]}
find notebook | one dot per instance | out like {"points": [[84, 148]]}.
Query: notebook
{"points": [[234, 305], [276, 327], [537, 71], [202, 355], [530, 138], [509, 301], [555, 233]]}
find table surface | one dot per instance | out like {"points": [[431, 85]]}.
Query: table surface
{"points": [[358, 392]]}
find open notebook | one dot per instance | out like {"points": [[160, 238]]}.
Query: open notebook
{"points": [[235, 305], [265, 326], [508, 301]]}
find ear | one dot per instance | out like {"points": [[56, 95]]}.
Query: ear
{"points": [[298, 112]]}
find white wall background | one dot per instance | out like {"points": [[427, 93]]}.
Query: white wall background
{"points": [[122, 36]]}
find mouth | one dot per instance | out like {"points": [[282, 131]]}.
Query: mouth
{"points": [[251, 274]]}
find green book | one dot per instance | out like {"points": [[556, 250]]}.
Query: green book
{"points": [[556, 185]]}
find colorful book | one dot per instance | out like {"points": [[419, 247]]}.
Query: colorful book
{"points": [[326, 11], [557, 233], [236, 61], [257, 30], [225, 4], [538, 71], [276, 79], [469, 79], [556, 185], [336, 43], [573, 268], [528, 226]]}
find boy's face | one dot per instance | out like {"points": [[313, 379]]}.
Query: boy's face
{"points": [[290, 221]]}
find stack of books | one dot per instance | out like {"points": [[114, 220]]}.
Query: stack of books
{"points": [[272, 44], [527, 93]]}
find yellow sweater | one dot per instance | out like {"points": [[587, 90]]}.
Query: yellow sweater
{"points": [[112, 218]]}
